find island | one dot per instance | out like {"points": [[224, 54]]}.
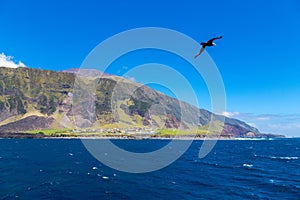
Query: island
{"points": [[37, 103]]}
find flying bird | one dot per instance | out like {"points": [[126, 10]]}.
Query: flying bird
{"points": [[209, 43]]}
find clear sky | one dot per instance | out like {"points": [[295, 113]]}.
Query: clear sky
{"points": [[258, 57]]}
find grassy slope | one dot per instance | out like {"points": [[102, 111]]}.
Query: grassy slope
{"points": [[25, 92]]}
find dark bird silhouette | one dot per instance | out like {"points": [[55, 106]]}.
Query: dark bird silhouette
{"points": [[209, 43]]}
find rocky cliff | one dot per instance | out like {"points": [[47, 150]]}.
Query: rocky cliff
{"points": [[33, 99]]}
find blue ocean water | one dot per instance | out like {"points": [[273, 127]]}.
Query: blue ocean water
{"points": [[63, 169]]}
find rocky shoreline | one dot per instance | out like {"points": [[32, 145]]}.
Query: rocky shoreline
{"points": [[20, 135]]}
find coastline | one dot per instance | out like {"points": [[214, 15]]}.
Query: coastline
{"points": [[132, 137]]}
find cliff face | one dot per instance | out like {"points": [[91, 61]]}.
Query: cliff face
{"points": [[39, 99]]}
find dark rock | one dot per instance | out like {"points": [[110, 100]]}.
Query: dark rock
{"points": [[28, 123]]}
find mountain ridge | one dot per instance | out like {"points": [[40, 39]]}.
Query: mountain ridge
{"points": [[48, 96]]}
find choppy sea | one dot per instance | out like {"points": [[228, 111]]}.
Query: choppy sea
{"points": [[234, 169]]}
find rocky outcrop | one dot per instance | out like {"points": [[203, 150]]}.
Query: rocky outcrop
{"points": [[28, 123]]}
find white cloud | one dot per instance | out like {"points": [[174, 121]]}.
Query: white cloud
{"points": [[290, 129], [230, 114], [263, 118], [8, 61], [251, 116], [287, 124]]}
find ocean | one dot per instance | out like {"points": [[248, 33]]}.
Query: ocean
{"points": [[234, 169]]}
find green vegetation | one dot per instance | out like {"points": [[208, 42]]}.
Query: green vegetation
{"points": [[75, 133], [187, 132], [139, 107], [119, 103], [43, 88], [53, 132]]}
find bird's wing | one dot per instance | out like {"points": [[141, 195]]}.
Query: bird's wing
{"points": [[215, 38], [201, 51]]}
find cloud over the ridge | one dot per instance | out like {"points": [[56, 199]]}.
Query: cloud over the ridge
{"points": [[8, 61], [230, 114], [287, 124]]}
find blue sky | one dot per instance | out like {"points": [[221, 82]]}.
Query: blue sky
{"points": [[258, 57]]}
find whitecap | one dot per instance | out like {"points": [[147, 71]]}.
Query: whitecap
{"points": [[289, 158], [286, 157], [70, 154], [105, 177], [247, 165], [95, 168]]}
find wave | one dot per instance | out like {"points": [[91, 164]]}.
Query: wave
{"points": [[285, 186], [247, 165], [286, 158], [251, 139], [279, 157]]}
